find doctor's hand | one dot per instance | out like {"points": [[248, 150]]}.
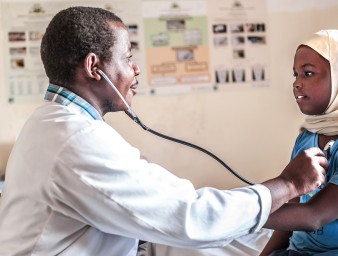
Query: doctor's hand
{"points": [[303, 174], [306, 172]]}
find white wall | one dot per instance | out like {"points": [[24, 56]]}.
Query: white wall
{"points": [[253, 130]]}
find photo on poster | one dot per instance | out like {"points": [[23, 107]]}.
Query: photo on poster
{"points": [[219, 28], [258, 73], [15, 36], [220, 41], [222, 76], [238, 75]]}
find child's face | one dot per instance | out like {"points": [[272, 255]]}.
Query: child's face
{"points": [[312, 85]]}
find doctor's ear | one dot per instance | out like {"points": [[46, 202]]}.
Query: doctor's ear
{"points": [[95, 73], [90, 62]]}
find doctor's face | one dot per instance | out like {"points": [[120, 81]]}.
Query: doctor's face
{"points": [[121, 69]]}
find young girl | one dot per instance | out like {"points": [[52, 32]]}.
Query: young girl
{"points": [[308, 225]]}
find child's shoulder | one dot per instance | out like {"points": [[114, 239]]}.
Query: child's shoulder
{"points": [[306, 135], [304, 141]]}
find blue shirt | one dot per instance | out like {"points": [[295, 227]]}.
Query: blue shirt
{"points": [[323, 241]]}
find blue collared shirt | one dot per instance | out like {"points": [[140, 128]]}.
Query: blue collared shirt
{"points": [[66, 97]]}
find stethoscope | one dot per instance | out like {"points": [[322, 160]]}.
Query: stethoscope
{"points": [[327, 148], [133, 116]]}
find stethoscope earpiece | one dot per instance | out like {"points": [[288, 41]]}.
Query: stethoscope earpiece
{"points": [[95, 70]]}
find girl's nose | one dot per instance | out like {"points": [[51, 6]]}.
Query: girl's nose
{"points": [[296, 84]]}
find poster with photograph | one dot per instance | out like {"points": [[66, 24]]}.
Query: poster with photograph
{"points": [[23, 25], [177, 49], [238, 35]]}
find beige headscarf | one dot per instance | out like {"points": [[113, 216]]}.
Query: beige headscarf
{"points": [[325, 42]]}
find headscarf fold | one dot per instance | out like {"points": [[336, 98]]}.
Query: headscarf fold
{"points": [[325, 42]]}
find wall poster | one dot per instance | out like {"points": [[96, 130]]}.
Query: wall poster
{"points": [[239, 48], [177, 51], [180, 46], [23, 25]]}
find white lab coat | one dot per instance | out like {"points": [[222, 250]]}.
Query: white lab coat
{"points": [[74, 186]]}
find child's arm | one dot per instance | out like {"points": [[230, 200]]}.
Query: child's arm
{"points": [[321, 209], [278, 240]]}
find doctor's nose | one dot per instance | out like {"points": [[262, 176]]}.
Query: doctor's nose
{"points": [[137, 70]]}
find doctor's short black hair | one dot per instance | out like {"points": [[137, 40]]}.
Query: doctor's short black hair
{"points": [[70, 36]]}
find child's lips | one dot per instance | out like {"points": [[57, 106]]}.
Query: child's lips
{"points": [[300, 98]]}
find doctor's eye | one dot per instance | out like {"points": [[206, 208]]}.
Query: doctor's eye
{"points": [[129, 58]]}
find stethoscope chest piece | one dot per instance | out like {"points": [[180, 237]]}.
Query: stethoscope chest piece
{"points": [[327, 148]]}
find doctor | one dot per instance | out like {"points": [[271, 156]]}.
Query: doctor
{"points": [[74, 186]]}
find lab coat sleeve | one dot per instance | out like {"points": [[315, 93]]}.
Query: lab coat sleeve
{"points": [[103, 182]]}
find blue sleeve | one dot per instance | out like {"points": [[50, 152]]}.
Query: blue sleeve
{"points": [[332, 173], [304, 141]]}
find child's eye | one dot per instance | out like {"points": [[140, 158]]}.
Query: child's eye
{"points": [[308, 73]]}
